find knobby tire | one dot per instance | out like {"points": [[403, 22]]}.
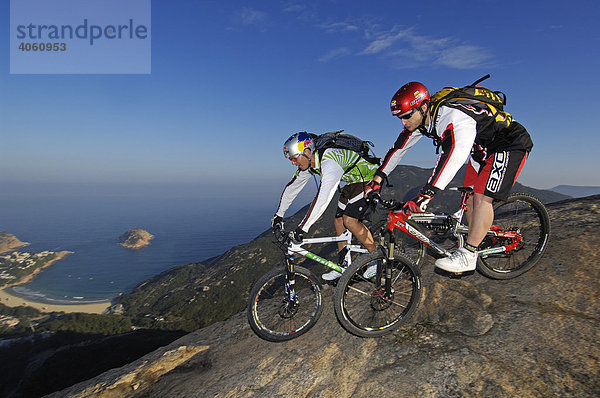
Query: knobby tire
{"points": [[271, 314], [528, 215], [361, 306]]}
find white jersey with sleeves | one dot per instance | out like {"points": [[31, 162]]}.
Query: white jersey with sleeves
{"points": [[331, 167]]}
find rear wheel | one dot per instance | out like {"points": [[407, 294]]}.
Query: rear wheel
{"points": [[363, 304], [273, 315], [525, 224]]}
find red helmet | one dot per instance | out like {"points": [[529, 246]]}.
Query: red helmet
{"points": [[409, 97]]}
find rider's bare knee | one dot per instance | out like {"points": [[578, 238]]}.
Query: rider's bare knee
{"points": [[350, 222]]}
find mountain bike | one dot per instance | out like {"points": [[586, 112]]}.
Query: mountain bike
{"points": [[513, 245], [287, 301]]}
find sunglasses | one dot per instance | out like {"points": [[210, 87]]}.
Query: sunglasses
{"points": [[408, 115]]}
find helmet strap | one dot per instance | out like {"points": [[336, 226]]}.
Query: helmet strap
{"points": [[309, 158], [423, 113]]}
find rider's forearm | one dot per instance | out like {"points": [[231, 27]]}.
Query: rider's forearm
{"points": [[330, 180], [318, 207], [291, 191], [393, 156]]}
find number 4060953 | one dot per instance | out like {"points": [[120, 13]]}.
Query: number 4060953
{"points": [[43, 46]]}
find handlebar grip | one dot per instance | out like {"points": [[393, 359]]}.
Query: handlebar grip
{"points": [[392, 204], [279, 233]]}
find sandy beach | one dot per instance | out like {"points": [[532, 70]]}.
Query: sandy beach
{"points": [[14, 301]]}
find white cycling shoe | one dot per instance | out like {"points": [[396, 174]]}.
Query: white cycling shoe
{"points": [[462, 260], [331, 276], [371, 270]]}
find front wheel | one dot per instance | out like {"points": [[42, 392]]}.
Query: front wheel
{"points": [[274, 314], [368, 303], [521, 225]]}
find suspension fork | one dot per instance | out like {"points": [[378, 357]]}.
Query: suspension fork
{"points": [[290, 277], [387, 263]]}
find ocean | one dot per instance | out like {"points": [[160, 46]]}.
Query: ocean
{"points": [[185, 231]]}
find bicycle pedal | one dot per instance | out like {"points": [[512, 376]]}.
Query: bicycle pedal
{"points": [[459, 275]]}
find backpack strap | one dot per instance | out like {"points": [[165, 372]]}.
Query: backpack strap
{"points": [[476, 82]]}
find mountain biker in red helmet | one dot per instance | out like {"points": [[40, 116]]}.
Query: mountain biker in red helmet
{"points": [[497, 145]]}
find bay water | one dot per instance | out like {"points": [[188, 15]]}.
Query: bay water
{"points": [[185, 230]]}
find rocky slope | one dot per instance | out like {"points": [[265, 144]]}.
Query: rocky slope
{"points": [[135, 238], [9, 242], [536, 335], [196, 295]]}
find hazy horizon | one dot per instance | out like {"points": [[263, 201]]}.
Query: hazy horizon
{"points": [[245, 191], [231, 81]]}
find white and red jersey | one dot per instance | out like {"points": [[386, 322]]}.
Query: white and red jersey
{"points": [[461, 130]]}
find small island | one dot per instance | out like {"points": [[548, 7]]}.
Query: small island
{"points": [[135, 238], [9, 242]]}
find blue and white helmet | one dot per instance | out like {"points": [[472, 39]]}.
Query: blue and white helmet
{"points": [[297, 143]]}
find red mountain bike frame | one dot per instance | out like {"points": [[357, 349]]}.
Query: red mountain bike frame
{"points": [[397, 219]]}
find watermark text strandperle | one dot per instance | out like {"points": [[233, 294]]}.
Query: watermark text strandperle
{"points": [[83, 31]]}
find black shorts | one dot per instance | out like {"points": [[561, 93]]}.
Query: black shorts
{"points": [[352, 202], [495, 175]]}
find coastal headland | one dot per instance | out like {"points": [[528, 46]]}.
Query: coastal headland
{"points": [[57, 256], [9, 242], [12, 300]]}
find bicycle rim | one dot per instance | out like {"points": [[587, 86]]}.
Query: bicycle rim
{"points": [[528, 217], [271, 313], [363, 307]]}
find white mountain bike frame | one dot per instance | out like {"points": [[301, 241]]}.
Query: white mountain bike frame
{"points": [[295, 248]]}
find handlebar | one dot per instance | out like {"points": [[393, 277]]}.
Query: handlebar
{"points": [[280, 234], [391, 204]]}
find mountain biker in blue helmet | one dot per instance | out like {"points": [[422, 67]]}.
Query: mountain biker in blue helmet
{"points": [[334, 165], [495, 144]]}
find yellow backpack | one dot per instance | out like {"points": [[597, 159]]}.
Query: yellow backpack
{"points": [[471, 94]]}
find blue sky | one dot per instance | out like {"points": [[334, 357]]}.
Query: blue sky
{"points": [[231, 80]]}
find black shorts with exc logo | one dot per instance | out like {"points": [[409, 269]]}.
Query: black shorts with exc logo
{"points": [[495, 175]]}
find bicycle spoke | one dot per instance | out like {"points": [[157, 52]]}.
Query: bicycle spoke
{"points": [[363, 306], [526, 220], [273, 315], [359, 291]]}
